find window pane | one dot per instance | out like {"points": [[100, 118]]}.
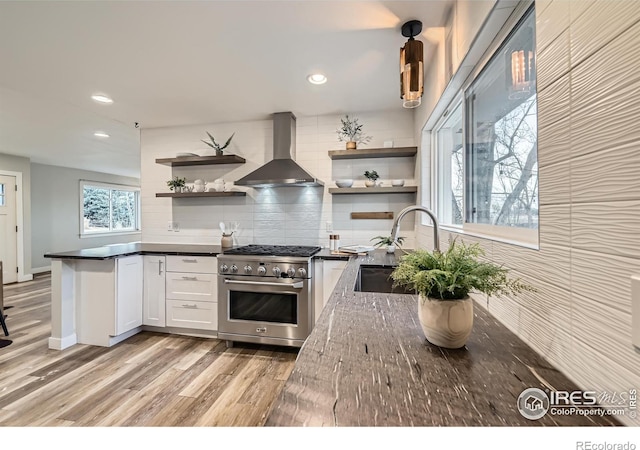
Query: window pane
{"points": [[502, 186], [96, 209], [450, 169], [1, 194], [123, 208]]}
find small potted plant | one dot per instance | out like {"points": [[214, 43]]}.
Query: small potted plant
{"points": [[351, 133], [371, 176], [443, 282], [389, 242], [176, 184], [217, 147]]}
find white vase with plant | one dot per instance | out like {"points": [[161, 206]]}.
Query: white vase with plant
{"points": [[388, 242], [371, 178], [351, 132], [443, 282]]}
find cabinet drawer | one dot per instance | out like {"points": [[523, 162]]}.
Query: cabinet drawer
{"points": [[194, 264], [190, 314], [200, 287]]}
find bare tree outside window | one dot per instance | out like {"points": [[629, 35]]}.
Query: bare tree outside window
{"points": [[502, 143]]}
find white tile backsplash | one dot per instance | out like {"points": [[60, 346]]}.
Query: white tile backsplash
{"points": [[276, 215]]}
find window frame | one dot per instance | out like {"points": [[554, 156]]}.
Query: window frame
{"points": [[111, 187], [524, 237]]}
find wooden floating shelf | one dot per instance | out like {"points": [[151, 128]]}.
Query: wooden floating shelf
{"points": [[373, 153], [201, 194], [372, 215], [374, 190], [201, 160]]}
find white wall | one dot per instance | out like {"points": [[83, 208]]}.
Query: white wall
{"points": [[55, 200], [13, 163], [294, 216], [580, 318]]}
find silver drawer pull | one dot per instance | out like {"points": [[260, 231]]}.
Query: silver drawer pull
{"points": [[187, 305], [190, 278], [295, 285], [189, 260], [261, 330]]}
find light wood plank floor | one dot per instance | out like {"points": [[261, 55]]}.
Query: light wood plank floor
{"points": [[151, 379]]}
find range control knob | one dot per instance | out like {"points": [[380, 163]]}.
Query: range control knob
{"points": [[223, 268], [291, 272], [302, 273], [234, 269], [262, 270], [247, 269], [276, 271]]}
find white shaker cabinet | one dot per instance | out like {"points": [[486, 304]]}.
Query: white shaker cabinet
{"points": [[128, 293], [108, 297], [327, 273], [153, 306], [192, 292]]}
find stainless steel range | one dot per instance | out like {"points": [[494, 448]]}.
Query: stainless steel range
{"points": [[265, 294]]}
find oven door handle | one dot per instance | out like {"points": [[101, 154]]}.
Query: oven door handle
{"points": [[296, 285]]}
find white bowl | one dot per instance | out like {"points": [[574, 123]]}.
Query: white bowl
{"points": [[344, 183], [397, 183]]}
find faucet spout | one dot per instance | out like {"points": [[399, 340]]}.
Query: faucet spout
{"points": [[436, 227]]}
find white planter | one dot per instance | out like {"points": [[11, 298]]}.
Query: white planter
{"points": [[369, 183], [446, 323], [391, 248]]}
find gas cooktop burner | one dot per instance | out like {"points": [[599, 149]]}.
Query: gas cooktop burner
{"points": [[274, 250]]}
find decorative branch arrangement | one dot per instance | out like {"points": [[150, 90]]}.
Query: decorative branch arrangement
{"points": [[351, 131], [217, 147]]}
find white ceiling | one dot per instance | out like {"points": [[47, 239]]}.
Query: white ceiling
{"points": [[169, 63]]}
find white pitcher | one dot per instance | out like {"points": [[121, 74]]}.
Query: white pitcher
{"points": [[218, 185], [199, 185]]}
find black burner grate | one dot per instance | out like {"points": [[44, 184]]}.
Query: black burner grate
{"points": [[274, 250]]}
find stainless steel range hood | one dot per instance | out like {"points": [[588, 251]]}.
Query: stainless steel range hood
{"points": [[282, 170]]}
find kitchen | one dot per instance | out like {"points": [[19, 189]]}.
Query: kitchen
{"points": [[572, 235]]}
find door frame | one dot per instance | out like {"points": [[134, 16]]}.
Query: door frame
{"points": [[20, 222]]}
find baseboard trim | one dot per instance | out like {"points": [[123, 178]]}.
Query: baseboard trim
{"points": [[62, 343], [42, 269]]}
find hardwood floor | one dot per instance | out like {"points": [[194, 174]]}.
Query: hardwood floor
{"points": [[151, 379]]}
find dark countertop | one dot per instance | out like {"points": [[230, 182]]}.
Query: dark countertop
{"points": [[115, 251], [367, 363]]}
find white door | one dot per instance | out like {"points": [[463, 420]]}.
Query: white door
{"points": [[153, 292], [8, 231]]}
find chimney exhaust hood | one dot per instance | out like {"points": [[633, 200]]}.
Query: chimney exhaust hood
{"points": [[282, 170]]}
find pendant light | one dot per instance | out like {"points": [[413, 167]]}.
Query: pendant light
{"points": [[411, 66], [520, 65]]}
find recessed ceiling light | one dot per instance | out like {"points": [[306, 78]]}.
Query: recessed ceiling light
{"points": [[101, 98], [317, 78], [101, 134]]}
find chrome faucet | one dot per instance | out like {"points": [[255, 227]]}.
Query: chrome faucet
{"points": [[436, 228]]}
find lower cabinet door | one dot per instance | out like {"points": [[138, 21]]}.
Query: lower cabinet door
{"points": [[192, 314]]}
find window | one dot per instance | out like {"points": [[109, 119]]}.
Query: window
{"points": [[108, 208], [1, 194], [450, 169], [486, 148]]}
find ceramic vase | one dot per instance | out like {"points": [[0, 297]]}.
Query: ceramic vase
{"points": [[446, 323], [351, 145]]}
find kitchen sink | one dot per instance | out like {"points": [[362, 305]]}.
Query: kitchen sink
{"points": [[377, 278]]}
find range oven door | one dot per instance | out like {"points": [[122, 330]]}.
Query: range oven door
{"points": [[264, 310]]}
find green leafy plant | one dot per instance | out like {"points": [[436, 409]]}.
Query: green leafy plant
{"points": [[217, 147], [371, 175], [451, 275], [176, 182], [351, 131], [387, 240]]}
